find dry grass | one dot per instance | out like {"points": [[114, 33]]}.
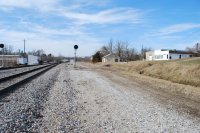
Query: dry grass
{"points": [[186, 71]]}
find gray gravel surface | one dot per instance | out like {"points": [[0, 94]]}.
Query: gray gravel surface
{"points": [[60, 114], [82, 100], [86, 101], [20, 111]]}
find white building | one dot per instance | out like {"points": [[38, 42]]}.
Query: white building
{"points": [[33, 60], [111, 58], [165, 54], [22, 61]]}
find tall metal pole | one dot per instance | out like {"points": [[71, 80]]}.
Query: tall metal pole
{"points": [[74, 58], [142, 53], [24, 46], [2, 58], [75, 48], [2, 50]]}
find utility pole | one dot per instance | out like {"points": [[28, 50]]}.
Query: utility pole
{"points": [[24, 46], [75, 58], [2, 46], [142, 53]]}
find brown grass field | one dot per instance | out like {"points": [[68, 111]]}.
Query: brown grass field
{"points": [[185, 71]]}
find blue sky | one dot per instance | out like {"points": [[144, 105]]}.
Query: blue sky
{"points": [[57, 25]]}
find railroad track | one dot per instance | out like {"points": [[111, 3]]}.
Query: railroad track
{"points": [[14, 71], [16, 67], [10, 83]]}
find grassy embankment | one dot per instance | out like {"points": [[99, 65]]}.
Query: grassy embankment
{"points": [[185, 71]]}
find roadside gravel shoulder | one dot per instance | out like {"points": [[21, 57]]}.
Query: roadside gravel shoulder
{"points": [[83, 100], [112, 106]]}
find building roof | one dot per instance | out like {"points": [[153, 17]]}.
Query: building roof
{"points": [[11, 55], [174, 51], [110, 55], [180, 52]]}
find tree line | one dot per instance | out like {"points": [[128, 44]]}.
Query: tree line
{"points": [[127, 53], [121, 49], [194, 49], [8, 50]]}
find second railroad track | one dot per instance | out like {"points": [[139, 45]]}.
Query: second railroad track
{"points": [[11, 82]]}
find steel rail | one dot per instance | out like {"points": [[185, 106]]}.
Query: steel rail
{"points": [[23, 66], [11, 88], [19, 74]]}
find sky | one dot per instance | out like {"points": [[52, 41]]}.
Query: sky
{"points": [[57, 25]]}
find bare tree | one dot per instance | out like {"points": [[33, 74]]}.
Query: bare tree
{"points": [[105, 50], [189, 49], [39, 52], [119, 48], [143, 52], [7, 50], [195, 49], [126, 51], [133, 55], [110, 46], [10, 49], [122, 49]]}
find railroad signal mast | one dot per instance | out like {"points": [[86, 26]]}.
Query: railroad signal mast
{"points": [[2, 46], [75, 49]]}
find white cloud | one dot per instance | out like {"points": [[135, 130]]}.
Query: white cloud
{"points": [[177, 28], [84, 3], [73, 12], [72, 31], [70, 11], [42, 5], [110, 16]]}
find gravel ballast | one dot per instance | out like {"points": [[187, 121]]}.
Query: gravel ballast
{"points": [[68, 99], [60, 114], [20, 110]]}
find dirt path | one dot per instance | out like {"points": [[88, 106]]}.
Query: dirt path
{"points": [[83, 100]]}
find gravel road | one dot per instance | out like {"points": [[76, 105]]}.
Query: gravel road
{"points": [[83, 100], [86, 101]]}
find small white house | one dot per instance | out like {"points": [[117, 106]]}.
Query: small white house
{"points": [[111, 58], [65, 60], [164, 54], [33, 60], [22, 61]]}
